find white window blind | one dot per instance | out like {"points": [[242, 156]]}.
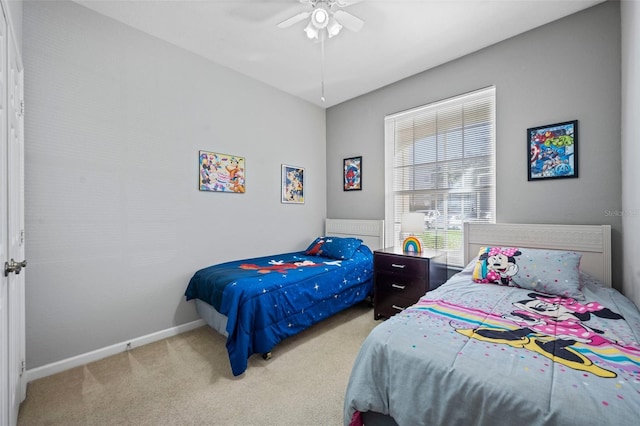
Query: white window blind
{"points": [[440, 161]]}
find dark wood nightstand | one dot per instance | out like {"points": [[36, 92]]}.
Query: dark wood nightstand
{"points": [[400, 278]]}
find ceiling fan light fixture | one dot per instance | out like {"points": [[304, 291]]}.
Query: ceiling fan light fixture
{"points": [[334, 27], [311, 31], [320, 18], [324, 23]]}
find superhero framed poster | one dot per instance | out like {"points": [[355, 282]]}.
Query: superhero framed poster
{"points": [[553, 151], [352, 174]]}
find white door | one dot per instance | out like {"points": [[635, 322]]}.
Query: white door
{"points": [[15, 220], [12, 323], [4, 230]]}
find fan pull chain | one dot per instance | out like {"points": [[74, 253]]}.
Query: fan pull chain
{"points": [[322, 68]]}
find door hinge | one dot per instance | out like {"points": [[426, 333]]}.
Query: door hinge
{"points": [[22, 367], [21, 236], [21, 112]]}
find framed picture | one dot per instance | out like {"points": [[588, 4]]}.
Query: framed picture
{"points": [[352, 174], [553, 151], [221, 172], [292, 184]]}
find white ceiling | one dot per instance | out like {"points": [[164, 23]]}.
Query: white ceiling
{"points": [[399, 38]]}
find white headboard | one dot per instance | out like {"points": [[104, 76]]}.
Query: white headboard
{"points": [[370, 231], [593, 241]]}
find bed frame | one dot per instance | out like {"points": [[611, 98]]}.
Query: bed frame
{"points": [[370, 231], [592, 241]]}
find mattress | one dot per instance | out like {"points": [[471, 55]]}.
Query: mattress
{"points": [[213, 318]]}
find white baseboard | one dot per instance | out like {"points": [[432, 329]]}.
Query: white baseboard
{"points": [[78, 360]]}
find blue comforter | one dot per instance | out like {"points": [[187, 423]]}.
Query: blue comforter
{"points": [[270, 298]]}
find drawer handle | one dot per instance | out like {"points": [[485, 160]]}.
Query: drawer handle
{"points": [[399, 308], [395, 265], [401, 287]]}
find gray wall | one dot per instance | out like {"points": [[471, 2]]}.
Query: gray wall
{"points": [[568, 69], [116, 224], [630, 12]]}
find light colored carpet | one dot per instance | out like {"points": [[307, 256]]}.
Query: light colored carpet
{"points": [[187, 380]]}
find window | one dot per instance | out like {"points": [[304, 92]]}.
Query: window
{"points": [[440, 161]]}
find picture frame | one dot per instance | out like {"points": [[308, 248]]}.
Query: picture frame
{"points": [[553, 151], [292, 184], [352, 174], [221, 172]]}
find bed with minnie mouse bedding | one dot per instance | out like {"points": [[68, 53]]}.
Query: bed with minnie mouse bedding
{"points": [[520, 336], [264, 300]]}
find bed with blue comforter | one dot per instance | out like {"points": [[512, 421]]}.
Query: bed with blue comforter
{"points": [[268, 299], [504, 342]]}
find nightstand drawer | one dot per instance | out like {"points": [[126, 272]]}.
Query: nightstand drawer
{"points": [[404, 265], [410, 287], [387, 305]]}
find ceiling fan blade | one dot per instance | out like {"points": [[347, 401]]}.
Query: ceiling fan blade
{"points": [[345, 3], [349, 21], [294, 20]]}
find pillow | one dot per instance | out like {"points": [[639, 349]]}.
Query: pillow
{"points": [[314, 247], [547, 271], [550, 271], [496, 265], [334, 247]]}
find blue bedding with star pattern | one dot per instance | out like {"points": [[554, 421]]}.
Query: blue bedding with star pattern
{"points": [[268, 299]]}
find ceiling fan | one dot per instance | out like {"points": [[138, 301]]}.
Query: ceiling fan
{"points": [[326, 18]]}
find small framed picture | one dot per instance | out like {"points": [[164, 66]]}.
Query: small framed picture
{"points": [[221, 172], [292, 184], [352, 174], [553, 151]]}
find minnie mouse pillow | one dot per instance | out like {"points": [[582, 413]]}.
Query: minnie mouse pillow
{"points": [[548, 271], [496, 265]]}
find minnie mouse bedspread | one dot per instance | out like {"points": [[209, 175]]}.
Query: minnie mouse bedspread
{"points": [[270, 298], [483, 354]]}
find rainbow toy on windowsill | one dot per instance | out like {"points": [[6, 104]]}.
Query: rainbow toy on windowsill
{"points": [[412, 245]]}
